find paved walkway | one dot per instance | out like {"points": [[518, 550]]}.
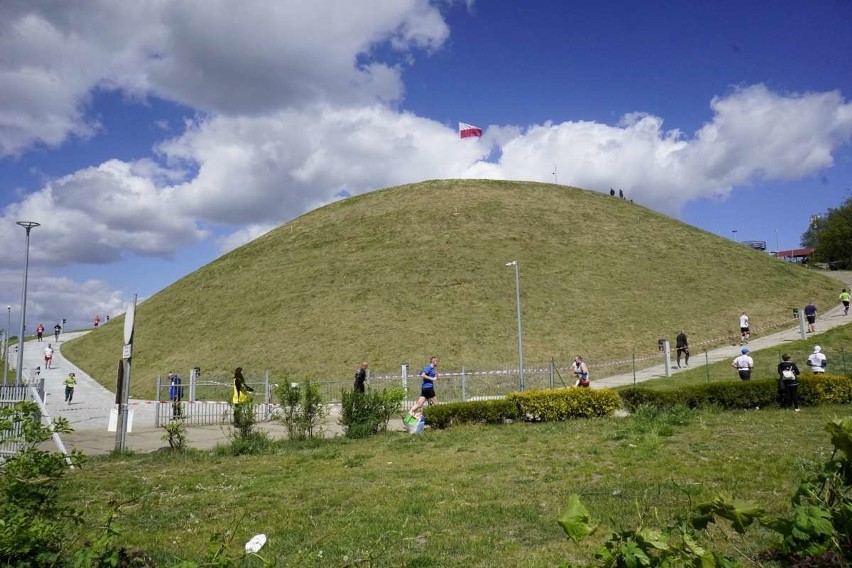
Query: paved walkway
{"points": [[90, 410]]}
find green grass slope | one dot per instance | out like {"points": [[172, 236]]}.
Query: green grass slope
{"points": [[403, 273]]}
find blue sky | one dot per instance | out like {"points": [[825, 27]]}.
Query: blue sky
{"points": [[149, 138]]}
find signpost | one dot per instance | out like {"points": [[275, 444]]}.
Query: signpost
{"points": [[124, 377]]}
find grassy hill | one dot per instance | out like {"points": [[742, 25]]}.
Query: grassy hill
{"points": [[403, 273]]}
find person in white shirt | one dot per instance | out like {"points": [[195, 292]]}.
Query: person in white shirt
{"points": [[744, 329], [48, 356], [744, 364], [817, 360]]}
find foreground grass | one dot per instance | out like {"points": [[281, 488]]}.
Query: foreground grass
{"points": [[400, 274], [836, 343], [468, 496]]}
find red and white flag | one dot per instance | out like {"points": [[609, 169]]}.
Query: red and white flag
{"points": [[468, 130]]}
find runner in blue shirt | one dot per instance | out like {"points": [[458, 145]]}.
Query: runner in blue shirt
{"points": [[810, 314], [429, 374]]}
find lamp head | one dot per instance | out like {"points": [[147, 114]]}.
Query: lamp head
{"points": [[513, 263]]}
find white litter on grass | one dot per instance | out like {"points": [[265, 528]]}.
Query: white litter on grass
{"points": [[256, 543]]}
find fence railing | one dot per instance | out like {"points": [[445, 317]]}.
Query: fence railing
{"points": [[10, 395]]}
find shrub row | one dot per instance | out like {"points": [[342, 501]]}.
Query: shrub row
{"points": [[540, 405], [813, 390]]}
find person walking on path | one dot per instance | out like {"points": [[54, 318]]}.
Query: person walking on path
{"points": [[744, 329], [744, 364], [844, 299], [817, 360], [70, 382], [581, 371], [40, 332], [241, 389], [361, 378], [788, 377], [48, 356], [429, 375], [810, 315], [56, 330], [682, 344]]}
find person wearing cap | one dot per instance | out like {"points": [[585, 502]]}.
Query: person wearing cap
{"points": [[817, 360], [70, 382], [744, 364]]}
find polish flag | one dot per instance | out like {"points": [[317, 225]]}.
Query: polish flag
{"points": [[468, 130]]}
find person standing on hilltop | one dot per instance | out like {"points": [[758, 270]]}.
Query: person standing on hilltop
{"points": [[744, 329], [810, 315], [682, 344], [844, 299]]}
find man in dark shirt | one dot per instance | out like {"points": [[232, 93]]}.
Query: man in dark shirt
{"points": [[682, 347], [810, 315], [361, 377]]}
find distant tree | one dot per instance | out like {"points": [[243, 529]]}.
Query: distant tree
{"points": [[831, 236]]}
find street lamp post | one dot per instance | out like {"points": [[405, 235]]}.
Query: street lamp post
{"points": [[19, 372], [520, 336], [6, 344]]}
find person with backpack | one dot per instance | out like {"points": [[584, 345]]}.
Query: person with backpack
{"points": [[788, 378], [361, 378], [581, 371]]}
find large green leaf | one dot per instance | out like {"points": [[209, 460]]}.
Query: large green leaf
{"points": [[575, 520], [841, 434]]}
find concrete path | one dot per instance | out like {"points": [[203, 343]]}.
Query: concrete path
{"points": [[825, 320], [89, 412]]}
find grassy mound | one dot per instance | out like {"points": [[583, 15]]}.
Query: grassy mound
{"points": [[400, 274]]}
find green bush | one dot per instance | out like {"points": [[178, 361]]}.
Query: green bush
{"points": [[813, 390], [825, 389], [302, 409], [564, 404], [368, 413], [476, 411]]}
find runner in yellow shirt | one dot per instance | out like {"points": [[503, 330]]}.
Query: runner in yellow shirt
{"points": [[844, 299]]}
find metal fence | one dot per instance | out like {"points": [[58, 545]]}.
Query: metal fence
{"points": [[208, 402], [11, 395]]}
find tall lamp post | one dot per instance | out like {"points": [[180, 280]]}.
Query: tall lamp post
{"points": [[6, 344], [520, 336], [19, 372]]}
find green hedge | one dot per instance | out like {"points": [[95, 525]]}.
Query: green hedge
{"points": [[813, 390], [564, 404], [540, 405], [476, 411]]}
